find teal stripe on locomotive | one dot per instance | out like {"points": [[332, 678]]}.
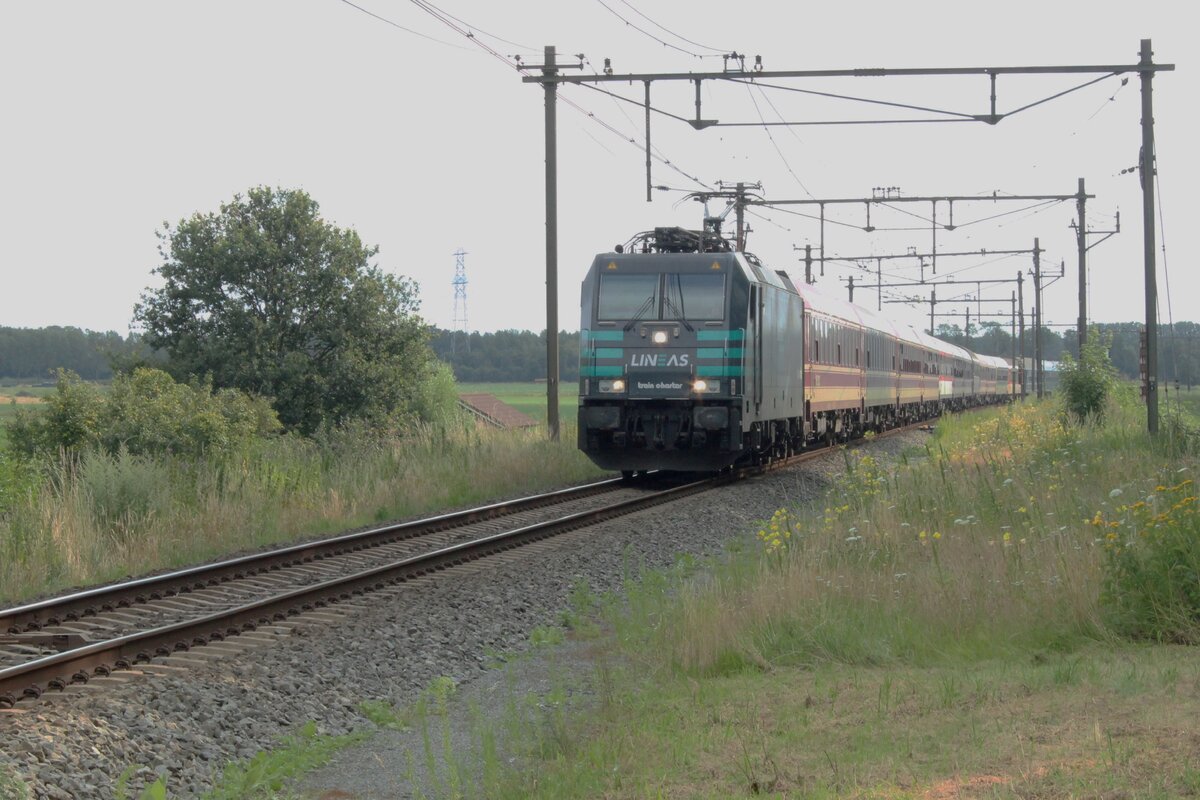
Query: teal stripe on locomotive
{"points": [[718, 372], [602, 336], [719, 352], [603, 352], [711, 336], [589, 371]]}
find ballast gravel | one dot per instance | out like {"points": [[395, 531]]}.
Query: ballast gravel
{"points": [[186, 726]]}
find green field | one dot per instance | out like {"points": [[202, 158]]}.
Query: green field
{"points": [[530, 398]]}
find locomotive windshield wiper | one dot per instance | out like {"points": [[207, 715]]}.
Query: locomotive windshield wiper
{"points": [[678, 310], [674, 282], [642, 309]]}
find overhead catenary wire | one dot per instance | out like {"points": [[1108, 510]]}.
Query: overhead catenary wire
{"points": [[789, 128], [398, 26], [1045, 204], [468, 31], [647, 33], [475, 28], [719, 50], [1112, 98], [854, 98], [771, 136], [445, 20], [829, 221], [633, 141], [640, 104], [1057, 95], [616, 98], [767, 219], [454, 23], [602, 145]]}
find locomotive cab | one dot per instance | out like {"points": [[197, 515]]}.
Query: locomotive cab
{"points": [[661, 360]]}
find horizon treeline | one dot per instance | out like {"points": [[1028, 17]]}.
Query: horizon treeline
{"points": [[33, 354]]}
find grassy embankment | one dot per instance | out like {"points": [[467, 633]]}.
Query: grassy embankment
{"points": [[956, 625], [129, 515]]}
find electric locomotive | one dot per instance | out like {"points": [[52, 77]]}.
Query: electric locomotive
{"points": [[687, 351], [694, 356]]}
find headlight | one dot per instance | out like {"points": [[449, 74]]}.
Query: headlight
{"points": [[613, 386], [701, 386], [659, 337]]}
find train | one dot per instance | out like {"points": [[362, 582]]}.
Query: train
{"points": [[695, 357]]}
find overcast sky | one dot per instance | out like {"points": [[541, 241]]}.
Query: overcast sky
{"points": [[120, 115]]}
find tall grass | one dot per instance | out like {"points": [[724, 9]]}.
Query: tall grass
{"points": [[106, 516], [936, 619], [997, 538]]}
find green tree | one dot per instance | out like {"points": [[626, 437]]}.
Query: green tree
{"points": [[1086, 383], [267, 297]]}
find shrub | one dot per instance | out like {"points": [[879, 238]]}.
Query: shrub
{"points": [[69, 420], [436, 397], [1152, 565], [1086, 383], [148, 413], [145, 413]]}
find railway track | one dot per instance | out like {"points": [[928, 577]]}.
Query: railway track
{"points": [[55, 643]]}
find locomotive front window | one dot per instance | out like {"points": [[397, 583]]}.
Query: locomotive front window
{"points": [[694, 296], [627, 297]]}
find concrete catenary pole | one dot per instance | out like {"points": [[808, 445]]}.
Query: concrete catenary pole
{"points": [[1081, 245], [1147, 169], [1021, 324], [550, 69], [1037, 317], [1013, 339]]}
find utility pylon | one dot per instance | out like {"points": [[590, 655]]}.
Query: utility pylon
{"points": [[459, 320]]}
